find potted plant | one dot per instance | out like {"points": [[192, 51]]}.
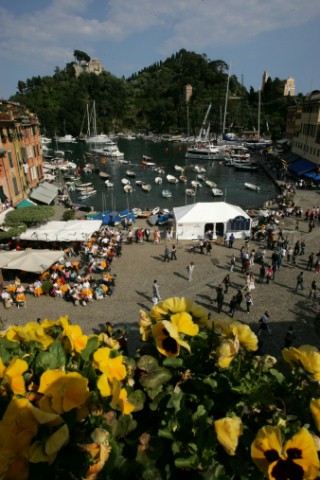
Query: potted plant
{"points": [[47, 287]]}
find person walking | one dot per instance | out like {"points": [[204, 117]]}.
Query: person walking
{"points": [[232, 305], [239, 298], [168, 235], [300, 281], [147, 233], [289, 337], [310, 261], [264, 324], [231, 240], [249, 301], [226, 282], [155, 292], [173, 253], [220, 300], [166, 257], [313, 290], [233, 262], [262, 273], [156, 236], [190, 269]]}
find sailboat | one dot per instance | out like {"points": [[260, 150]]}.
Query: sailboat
{"points": [[91, 136]]}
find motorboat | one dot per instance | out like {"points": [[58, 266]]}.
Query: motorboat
{"points": [[88, 194], [130, 173], [210, 184], [108, 184], [172, 179], [246, 166], [158, 180], [104, 175], [251, 186], [204, 151], [155, 211], [139, 183], [66, 139], [109, 149], [183, 179], [190, 192], [136, 211], [163, 219], [128, 188], [216, 192], [146, 187], [166, 193], [196, 184], [147, 161], [125, 181], [198, 169], [178, 168]]}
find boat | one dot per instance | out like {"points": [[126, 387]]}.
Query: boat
{"points": [[86, 195], [158, 180], [125, 181], [147, 161], [155, 211], [104, 175], [66, 139], [178, 168], [163, 219], [146, 187], [190, 192], [130, 173], [210, 183], [196, 184], [216, 192], [152, 220], [166, 193], [109, 149], [251, 186], [139, 183], [172, 179], [136, 211], [246, 166], [108, 184], [128, 188], [144, 214], [91, 135], [183, 179], [198, 169]]}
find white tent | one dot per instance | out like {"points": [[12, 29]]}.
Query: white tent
{"points": [[36, 261], [194, 221], [70, 231]]}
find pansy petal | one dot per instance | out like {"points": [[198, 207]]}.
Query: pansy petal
{"points": [[266, 446], [57, 440], [304, 443], [228, 431], [245, 335], [104, 385], [185, 324]]}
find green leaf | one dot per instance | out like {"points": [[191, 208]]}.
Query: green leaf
{"points": [[8, 345], [156, 378], [91, 347], [189, 462], [173, 362], [277, 375], [147, 363], [137, 398], [59, 353], [5, 355]]}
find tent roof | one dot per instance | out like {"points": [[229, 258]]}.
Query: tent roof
{"points": [[35, 261], [26, 203], [45, 193], [71, 231], [208, 212], [302, 166]]}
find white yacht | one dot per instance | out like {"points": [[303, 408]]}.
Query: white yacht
{"points": [[109, 149]]}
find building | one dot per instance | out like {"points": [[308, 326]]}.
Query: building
{"points": [[289, 88], [21, 168], [306, 142], [93, 66]]}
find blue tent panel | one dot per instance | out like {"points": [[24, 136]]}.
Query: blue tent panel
{"points": [[26, 203], [302, 166], [313, 176]]}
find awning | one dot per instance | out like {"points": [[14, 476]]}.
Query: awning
{"points": [[36, 261], [302, 166], [313, 176], [26, 203], [290, 157], [59, 231], [45, 193]]}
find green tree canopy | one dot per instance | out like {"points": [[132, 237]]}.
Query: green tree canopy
{"points": [[81, 56], [29, 215]]}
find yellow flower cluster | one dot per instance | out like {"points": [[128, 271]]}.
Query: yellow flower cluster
{"points": [[307, 356], [36, 403], [170, 321]]}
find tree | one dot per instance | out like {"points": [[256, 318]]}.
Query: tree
{"points": [[29, 215], [81, 56]]}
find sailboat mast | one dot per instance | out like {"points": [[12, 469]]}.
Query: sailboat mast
{"points": [[259, 113], [226, 102]]}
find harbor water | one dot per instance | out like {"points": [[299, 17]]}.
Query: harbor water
{"points": [[165, 155]]}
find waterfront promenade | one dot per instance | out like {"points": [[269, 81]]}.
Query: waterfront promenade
{"points": [[141, 264]]}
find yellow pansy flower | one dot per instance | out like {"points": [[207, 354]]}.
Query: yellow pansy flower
{"points": [[47, 451], [145, 324], [228, 431], [226, 351], [12, 374], [248, 340], [109, 341], [120, 399], [33, 332], [167, 333], [307, 356], [112, 367], [62, 391], [11, 334], [297, 458], [315, 411], [163, 310], [76, 340]]}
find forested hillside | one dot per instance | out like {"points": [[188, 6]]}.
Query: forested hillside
{"points": [[153, 99]]}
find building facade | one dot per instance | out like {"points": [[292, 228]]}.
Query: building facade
{"points": [[289, 88], [306, 141], [21, 161]]}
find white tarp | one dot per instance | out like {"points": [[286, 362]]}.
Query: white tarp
{"points": [[193, 221], [70, 231], [35, 261]]}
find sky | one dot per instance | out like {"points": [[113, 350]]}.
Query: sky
{"points": [[281, 37]]}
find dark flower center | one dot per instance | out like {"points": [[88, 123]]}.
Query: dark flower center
{"points": [[170, 345], [287, 470], [271, 455]]}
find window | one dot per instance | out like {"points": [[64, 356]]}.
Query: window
{"points": [[15, 186], [10, 159]]}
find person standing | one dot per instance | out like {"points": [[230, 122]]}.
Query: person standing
{"points": [[166, 254], [232, 305], [168, 235], [226, 282], [300, 281], [249, 301], [233, 262], [310, 261], [313, 290], [173, 253], [289, 337], [147, 233], [156, 291], [190, 269], [156, 236], [264, 324], [220, 300], [231, 240], [262, 273], [239, 298]]}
